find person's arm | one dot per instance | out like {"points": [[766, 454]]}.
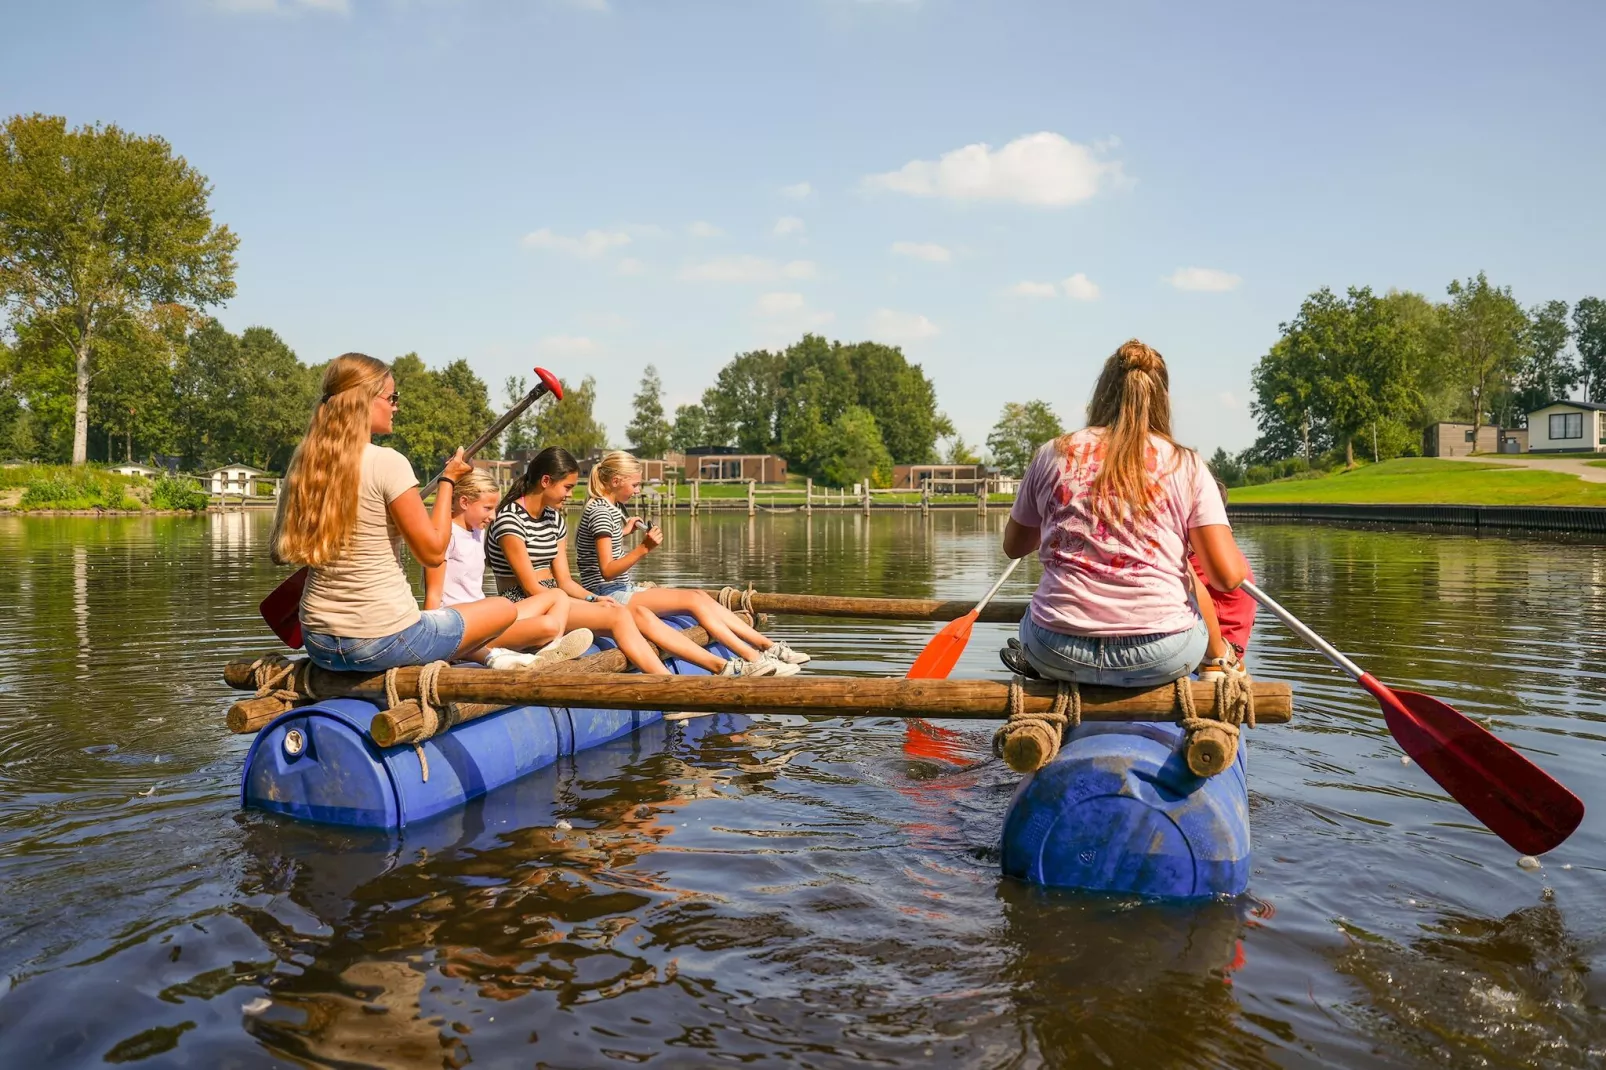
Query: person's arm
{"points": [[434, 585], [1020, 540], [617, 566], [427, 534], [566, 582], [518, 559], [1219, 557]]}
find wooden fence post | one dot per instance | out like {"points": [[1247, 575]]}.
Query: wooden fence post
{"points": [[981, 497], [925, 498], [866, 486], [752, 498], [808, 496]]}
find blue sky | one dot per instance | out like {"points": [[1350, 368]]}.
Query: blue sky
{"points": [[1007, 190]]}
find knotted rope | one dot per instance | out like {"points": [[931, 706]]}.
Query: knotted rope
{"points": [[288, 680], [739, 602], [1212, 742], [1029, 741], [428, 698]]}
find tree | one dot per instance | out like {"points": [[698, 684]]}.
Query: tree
{"points": [[1545, 370], [744, 399], [439, 411], [1227, 468], [1484, 329], [569, 423], [1589, 334], [1283, 404], [520, 434], [1020, 430], [959, 451], [97, 224], [649, 431], [690, 429], [857, 452]]}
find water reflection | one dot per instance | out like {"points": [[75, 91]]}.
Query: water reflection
{"points": [[789, 889]]}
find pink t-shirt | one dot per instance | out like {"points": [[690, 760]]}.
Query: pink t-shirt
{"points": [[1103, 580], [465, 567]]}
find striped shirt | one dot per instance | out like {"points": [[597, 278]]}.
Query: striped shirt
{"points": [[599, 518], [539, 534]]}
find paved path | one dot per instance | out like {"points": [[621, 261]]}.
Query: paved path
{"points": [[1572, 466]]}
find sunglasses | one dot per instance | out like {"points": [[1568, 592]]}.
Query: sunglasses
{"points": [[394, 398]]}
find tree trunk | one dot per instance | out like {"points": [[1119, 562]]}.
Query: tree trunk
{"points": [[1306, 430], [1349, 451], [80, 417]]}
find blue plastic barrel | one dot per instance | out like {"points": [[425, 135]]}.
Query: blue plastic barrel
{"points": [[1118, 810], [318, 763]]}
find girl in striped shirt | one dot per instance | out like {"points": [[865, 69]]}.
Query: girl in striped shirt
{"points": [[526, 551], [605, 568]]}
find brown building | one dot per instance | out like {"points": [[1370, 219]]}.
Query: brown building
{"points": [[736, 467], [944, 478], [1455, 440]]}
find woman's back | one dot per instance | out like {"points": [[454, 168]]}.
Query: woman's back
{"points": [[1114, 576]]}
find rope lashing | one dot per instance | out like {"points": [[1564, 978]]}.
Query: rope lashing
{"points": [[1212, 742], [288, 680], [428, 699], [1029, 741], [739, 602]]}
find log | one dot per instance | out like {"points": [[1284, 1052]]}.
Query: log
{"points": [[255, 714], [826, 605], [405, 723]]}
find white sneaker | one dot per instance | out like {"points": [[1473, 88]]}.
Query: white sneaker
{"points": [[783, 668], [786, 655], [570, 645], [503, 658], [738, 667]]}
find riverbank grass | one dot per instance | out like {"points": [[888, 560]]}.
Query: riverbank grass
{"points": [[63, 488], [1429, 481]]}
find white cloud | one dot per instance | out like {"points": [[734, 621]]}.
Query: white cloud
{"points": [[1081, 288], [797, 191], [592, 243], [700, 229], [788, 224], [1034, 289], [885, 323], [568, 345], [779, 304], [1203, 280], [746, 269], [631, 266], [1043, 168], [282, 7], [923, 250]]}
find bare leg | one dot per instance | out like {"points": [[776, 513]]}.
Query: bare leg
{"points": [[483, 621], [673, 640], [542, 618], [716, 620], [615, 620], [1217, 646]]}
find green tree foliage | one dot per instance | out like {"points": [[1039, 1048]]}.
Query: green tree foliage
{"points": [[959, 451], [570, 423], [649, 431], [690, 429], [520, 434], [1545, 371], [1483, 335], [857, 452], [1284, 406], [1589, 335], [97, 225], [744, 399], [1227, 468], [1020, 430], [439, 411]]}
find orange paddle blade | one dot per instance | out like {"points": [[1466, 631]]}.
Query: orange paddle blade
{"points": [[942, 653]]}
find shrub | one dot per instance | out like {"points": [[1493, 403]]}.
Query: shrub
{"points": [[178, 492]]}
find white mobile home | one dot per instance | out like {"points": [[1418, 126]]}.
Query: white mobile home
{"points": [[233, 479], [1567, 427], [136, 469]]}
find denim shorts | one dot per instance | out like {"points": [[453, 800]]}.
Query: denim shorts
{"points": [[435, 637], [618, 590], [1114, 660]]}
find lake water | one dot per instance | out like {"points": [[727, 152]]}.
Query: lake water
{"points": [[796, 893]]}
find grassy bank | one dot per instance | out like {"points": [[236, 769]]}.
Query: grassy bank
{"points": [[1427, 481], [63, 488]]}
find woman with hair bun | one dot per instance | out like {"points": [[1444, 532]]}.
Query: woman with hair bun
{"points": [[346, 507], [1112, 511]]}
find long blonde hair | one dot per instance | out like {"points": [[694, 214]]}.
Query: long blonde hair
{"points": [[1131, 401], [318, 503], [472, 486], [609, 466]]}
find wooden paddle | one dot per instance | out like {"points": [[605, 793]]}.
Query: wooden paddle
{"points": [[282, 608], [942, 653], [1513, 797]]}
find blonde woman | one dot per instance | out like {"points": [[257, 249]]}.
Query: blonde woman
{"points": [[1112, 511], [542, 617], [605, 568], [346, 507]]}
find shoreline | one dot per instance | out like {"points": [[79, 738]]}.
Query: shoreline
{"points": [[1496, 519]]}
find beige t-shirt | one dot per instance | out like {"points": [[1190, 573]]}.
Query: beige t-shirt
{"points": [[365, 594]]}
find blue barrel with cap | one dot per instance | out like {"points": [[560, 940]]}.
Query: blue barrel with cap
{"points": [[318, 762], [1118, 810]]}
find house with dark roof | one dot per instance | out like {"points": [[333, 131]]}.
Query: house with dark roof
{"points": [[1567, 427]]}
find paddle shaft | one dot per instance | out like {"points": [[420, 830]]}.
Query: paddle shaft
{"points": [[536, 392], [1299, 628], [988, 597]]}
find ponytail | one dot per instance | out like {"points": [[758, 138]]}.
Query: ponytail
{"points": [[553, 463], [609, 466], [471, 486], [1131, 401]]}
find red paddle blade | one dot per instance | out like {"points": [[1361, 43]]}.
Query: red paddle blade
{"points": [[942, 653], [1513, 797], [282, 609]]}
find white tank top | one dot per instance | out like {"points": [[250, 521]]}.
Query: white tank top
{"points": [[465, 567]]}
